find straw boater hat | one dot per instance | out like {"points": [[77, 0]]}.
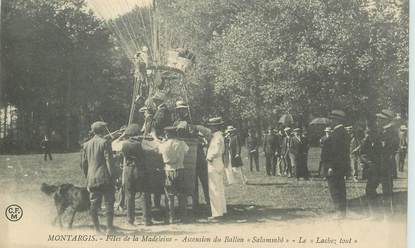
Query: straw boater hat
{"points": [[98, 127], [337, 115], [403, 128], [216, 121], [328, 129], [386, 114], [181, 105], [287, 129]]}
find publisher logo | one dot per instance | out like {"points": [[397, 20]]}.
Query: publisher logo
{"points": [[14, 212]]}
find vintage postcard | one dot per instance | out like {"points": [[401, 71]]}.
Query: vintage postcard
{"points": [[204, 123]]}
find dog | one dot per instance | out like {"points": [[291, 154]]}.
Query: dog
{"points": [[67, 196]]}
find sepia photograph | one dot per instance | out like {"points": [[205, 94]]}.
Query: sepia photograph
{"points": [[204, 123]]}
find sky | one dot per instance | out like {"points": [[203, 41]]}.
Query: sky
{"points": [[108, 9]]}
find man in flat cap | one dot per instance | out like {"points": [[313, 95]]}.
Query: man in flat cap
{"points": [[336, 161], [134, 179], [97, 157], [378, 152]]}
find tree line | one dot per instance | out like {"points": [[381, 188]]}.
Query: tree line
{"points": [[62, 67]]}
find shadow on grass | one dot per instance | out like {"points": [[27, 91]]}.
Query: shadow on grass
{"points": [[399, 201], [259, 214]]}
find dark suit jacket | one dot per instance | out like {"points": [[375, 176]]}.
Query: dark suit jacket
{"points": [[378, 150], [234, 145], [133, 165], [278, 139], [270, 144], [296, 146], [285, 145], [97, 156], [252, 143], [335, 152]]}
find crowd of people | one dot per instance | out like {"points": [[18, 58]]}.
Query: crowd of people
{"points": [[218, 156]]}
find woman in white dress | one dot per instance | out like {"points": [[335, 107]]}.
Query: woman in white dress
{"points": [[216, 169]]}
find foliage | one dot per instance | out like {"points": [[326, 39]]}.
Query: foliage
{"points": [[264, 58], [61, 69]]}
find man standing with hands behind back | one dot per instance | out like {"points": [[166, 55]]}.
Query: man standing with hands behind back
{"points": [[336, 161], [97, 158]]}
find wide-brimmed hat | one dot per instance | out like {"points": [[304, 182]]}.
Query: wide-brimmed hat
{"points": [[216, 121], [132, 130], [386, 114], [337, 115], [98, 127], [328, 129], [297, 129], [287, 129], [181, 105]]}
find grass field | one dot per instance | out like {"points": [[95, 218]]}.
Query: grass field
{"points": [[263, 201]]}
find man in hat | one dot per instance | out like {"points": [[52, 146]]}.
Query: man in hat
{"points": [[297, 153], [378, 153], [327, 133], [252, 144], [185, 129], [285, 152], [278, 163], [173, 151], [336, 161], [133, 174], [233, 148], [216, 169], [270, 149], [45, 145], [403, 146], [97, 156], [162, 117], [182, 119]]}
